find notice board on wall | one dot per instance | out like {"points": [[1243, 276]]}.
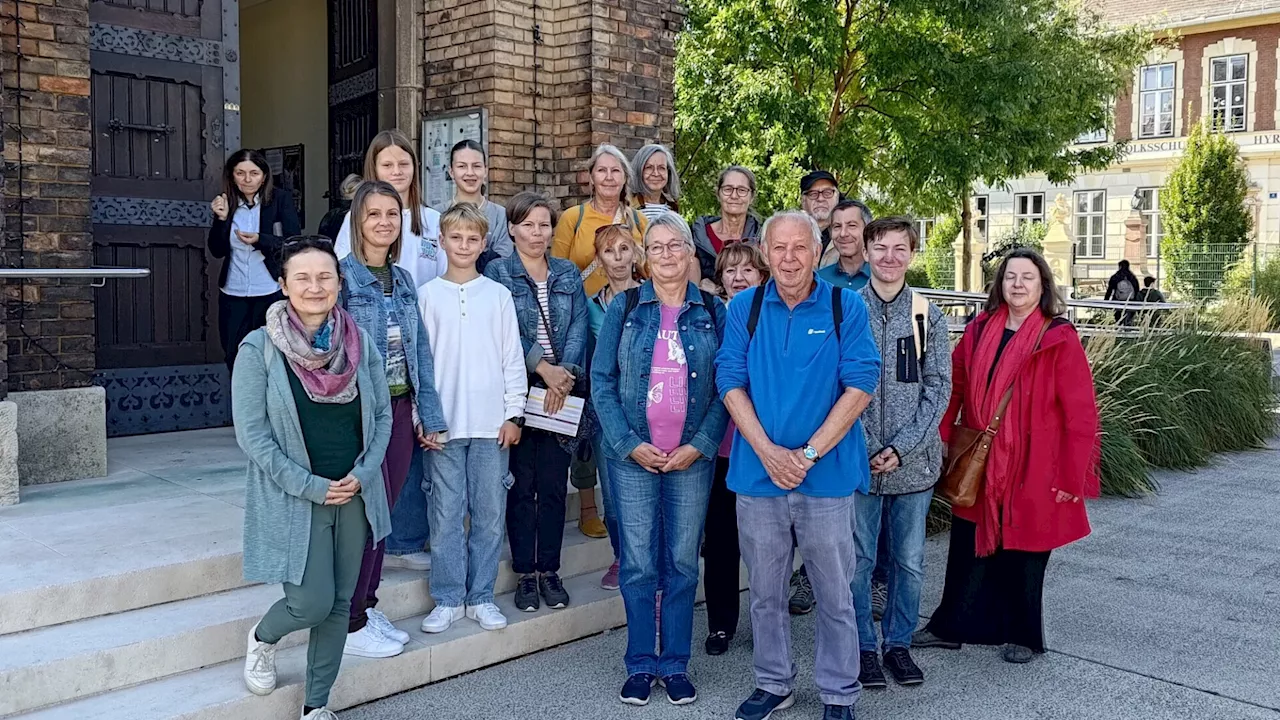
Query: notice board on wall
{"points": [[439, 134]]}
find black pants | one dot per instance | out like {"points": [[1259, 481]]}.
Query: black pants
{"points": [[721, 555], [536, 502], [239, 316], [991, 600]]}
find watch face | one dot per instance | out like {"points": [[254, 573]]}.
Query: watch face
{"points": [[810, 453]]}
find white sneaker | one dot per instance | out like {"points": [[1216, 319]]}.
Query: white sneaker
{"points": [[368, 642], [488, 615], [441, 619], [384, 627], [259, 665], [419, 561], [323, 713]]}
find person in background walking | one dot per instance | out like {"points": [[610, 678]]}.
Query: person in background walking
{"points": [[331, 223], [739, 266], [383, 301], [1151, 294], [312, 413], [470, 172], [552, 313], [652, 384], [1041, 466], [655, 185], [610, 174], [819, 195], [251, 219], [1122, 286], [901, 426], [735, 191], [392, 159], [797, 457], [480, 377]]}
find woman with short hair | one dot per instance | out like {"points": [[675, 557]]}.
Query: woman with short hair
{"points": [[735, 191]]}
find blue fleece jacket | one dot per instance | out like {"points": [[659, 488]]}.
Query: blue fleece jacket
{"points": [[795, 369]]}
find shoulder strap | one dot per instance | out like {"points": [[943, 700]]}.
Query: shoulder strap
{"points": [[1008, 394], [837, 310], [753, 318], [635, 218], [633, 299], [581, 212], [920, 323], [710, 301]]}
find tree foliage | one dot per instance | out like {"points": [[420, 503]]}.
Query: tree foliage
{"points": [[1202, 206], [917, 99], [939, 253]]}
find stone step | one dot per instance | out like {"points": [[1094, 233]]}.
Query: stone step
{"points": [[218, 692], [57, 664]]}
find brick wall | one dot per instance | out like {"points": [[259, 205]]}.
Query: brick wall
{"points": [[50, 333]]}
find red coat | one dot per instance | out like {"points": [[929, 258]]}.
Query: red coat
{"points": [[1057, 416]]}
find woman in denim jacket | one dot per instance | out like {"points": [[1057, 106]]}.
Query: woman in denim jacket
{"points": [[384, 302], [552, 311], [653, 385]]}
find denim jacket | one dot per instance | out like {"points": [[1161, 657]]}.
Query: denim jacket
{"points": [[570, 327], [362, 296], [620, 372]]}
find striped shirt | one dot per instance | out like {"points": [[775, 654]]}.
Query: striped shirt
{"points": [[653, 210], [544, 302]]}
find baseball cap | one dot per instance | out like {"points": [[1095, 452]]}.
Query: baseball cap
{"points": [[812, 178]]}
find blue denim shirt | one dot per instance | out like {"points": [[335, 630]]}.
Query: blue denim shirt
{"points": [[362, 296], [570, 327], [620, 372]]}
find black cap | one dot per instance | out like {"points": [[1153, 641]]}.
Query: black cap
{"points": [[809, 180]]}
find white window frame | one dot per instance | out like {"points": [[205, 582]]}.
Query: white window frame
{"points": [[1157, 95], [983, 205], [1089, 244], [1225, 111], [924, 226], [1092, 138], [1153, 227], [1024, 211]]}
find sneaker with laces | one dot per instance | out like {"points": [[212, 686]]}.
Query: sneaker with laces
{"points": [[488, 615], [870, 674], [527, 593], [838, 712], [441, 619], [801, 602], [552, 590], [903, 669], [635, 691], [718, 642], [879, 599], [323, 713], [420, 561], [610, 579], [384, 627], [680, 690], [259, 665], [762, 704], [368, 642]]}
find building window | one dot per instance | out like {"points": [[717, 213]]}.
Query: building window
{"points": [[981, 203], [1228, 83], [925, 228], [1097, 136], [1091, 223], [1156, 98], [1028, 208], [1149, 206]]}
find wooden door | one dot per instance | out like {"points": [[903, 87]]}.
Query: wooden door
{"points": [[353, 86]]}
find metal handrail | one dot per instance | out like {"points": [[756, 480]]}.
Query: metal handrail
{"points": [[99, 275], [961, 297]]}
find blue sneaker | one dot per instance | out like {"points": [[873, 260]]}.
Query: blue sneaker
{"points": [[635, 691], [838, 712], [761, 704], [680, 690]]}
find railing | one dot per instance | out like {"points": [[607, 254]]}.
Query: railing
{"points": [[975, 301], [98, 275]]}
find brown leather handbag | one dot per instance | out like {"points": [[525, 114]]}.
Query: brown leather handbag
{"points": [[965, 468]]}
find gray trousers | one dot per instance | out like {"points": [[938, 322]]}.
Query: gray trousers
{"points": [[323, 601], [822, 529]]}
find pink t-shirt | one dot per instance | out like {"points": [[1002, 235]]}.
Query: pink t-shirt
{"points": [[727, 444], [668, 401]]}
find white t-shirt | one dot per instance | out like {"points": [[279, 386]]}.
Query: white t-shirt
{"points": [[421, 255], [475, 340]]}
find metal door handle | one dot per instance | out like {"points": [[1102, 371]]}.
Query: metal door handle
{"points": [[116, 125]]}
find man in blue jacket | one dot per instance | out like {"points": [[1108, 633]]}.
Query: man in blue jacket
{"points": [[797, 367]]}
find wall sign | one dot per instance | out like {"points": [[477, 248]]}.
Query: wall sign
{"points": [[439, 134]]}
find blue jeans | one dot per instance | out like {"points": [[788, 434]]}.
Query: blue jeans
{"points": [[468, 477], [606, 495], [905, 515], [410, 529], [678, 502]]}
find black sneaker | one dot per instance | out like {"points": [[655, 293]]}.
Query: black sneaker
{"points": [[926, 639], [552, 590], [718, 642], [801, 602], [838, 712], [879, 599], [903, 669], [635, 691], [680, 690], [1017, 654], [869, 672], [762, 704], [527, 593]]}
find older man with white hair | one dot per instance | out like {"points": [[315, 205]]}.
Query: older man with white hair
{"points": [[797, 367]]}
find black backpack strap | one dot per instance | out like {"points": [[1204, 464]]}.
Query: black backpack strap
{"points": [[753, 318], [633, 299], [837, 310], [710, 301]]}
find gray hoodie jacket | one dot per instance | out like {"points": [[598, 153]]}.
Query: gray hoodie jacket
{"points": [[908, 405]]}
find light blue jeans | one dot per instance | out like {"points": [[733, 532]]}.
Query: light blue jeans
{"points": [[468, 477], [904, 516], [410, 529]]}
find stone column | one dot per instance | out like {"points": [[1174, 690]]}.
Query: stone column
{"points": [[1058, 245]]}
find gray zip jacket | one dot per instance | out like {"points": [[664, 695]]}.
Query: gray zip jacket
{"points": [[909, 403]]}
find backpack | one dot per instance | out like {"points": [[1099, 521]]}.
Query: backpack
{"points": [[757, 302], [1124, 290], [920, 325]]}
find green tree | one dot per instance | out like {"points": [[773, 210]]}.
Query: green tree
{"points": [[917, 99], [1202, 206], [939, 253]]}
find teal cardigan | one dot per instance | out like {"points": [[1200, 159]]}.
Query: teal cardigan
{"points": [[279, 487]]}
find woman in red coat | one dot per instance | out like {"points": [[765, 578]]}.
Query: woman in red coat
{"points": [[1042, 464]]}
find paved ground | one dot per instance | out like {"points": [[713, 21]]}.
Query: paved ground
{"points": [[1169, 610]]}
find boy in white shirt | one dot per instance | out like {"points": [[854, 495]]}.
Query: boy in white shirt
{"points": [[475, 339]]}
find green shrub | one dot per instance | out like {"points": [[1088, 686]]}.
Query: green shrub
{"points": [[1242, 281], [918, 277], [939, 253]]}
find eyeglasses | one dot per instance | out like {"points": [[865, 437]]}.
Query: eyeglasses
{"points": [[316, 239], [735, 191], [656, 170], [674, 248], [824, 194]]}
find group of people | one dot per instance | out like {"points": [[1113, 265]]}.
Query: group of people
{"points": [[429, 380]]}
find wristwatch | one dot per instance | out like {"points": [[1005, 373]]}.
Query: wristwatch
{"points": [[518, 421], [810, 452]]}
